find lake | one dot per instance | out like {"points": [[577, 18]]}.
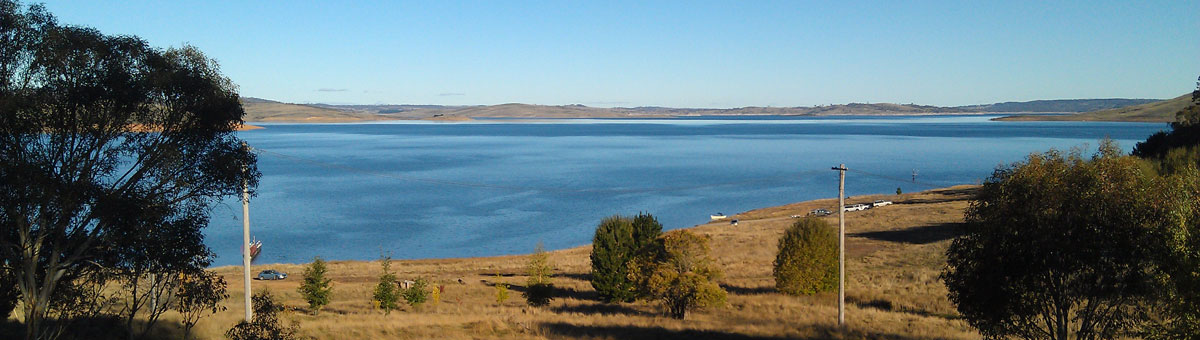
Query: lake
{"points": [[493, 187]]}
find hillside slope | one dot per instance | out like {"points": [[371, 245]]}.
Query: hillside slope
{"points": [[1060, 105], [1159, 111], [262, 110]]}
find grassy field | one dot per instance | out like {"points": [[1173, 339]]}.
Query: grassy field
{"points": [[1160, 111], [894, 256]]}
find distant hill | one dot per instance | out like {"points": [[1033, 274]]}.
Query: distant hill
{"points": [[263, 110], [1059, 105], [1158, 111], [517, 110]]}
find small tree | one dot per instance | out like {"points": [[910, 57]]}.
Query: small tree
{"points": [[266, 324], [435, 294], [677, 270], [616, 241], [387, 294], [198, 296], [539, 290], [501, 290], [417, 293], [316, 289], [807, 259]]}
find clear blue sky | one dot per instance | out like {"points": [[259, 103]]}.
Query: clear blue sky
{"points": [[680, 54]]}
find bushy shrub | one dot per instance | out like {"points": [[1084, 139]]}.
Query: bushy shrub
{"points": [[807, 260], [616, 241], [316, 289], [539, 290], [197, 295], [501, 290], [677, 270], [266, 324], [417, 293], [386, 292]]}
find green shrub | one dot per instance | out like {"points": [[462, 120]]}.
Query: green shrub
{"points": [[539, 290], [266, 324], [677, 270], [501, 290], [386, 293], [616, 241], [417, 293], [808, 259], [316, 289]]}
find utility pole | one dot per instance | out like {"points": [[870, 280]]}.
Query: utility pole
{"points": [[841, 168], [246, 241]]}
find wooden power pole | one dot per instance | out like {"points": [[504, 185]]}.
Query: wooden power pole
{"points": [[246, 244], [841, 244]]}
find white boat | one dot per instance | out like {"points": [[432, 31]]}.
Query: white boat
{"points": [[717, 216]]}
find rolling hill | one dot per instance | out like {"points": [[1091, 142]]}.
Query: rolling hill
{"points": [[1158, 111], [262, 110], [1059, 105]]}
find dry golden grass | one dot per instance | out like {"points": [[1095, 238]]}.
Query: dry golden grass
{"points": [[893, 292]]}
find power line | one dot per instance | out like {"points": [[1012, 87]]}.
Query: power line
{"points": [[526, 188]]}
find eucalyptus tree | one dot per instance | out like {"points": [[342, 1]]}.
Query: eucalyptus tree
{"points": [[102, 137]]}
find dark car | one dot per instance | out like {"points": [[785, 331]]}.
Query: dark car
{"points": [[271, 274]]}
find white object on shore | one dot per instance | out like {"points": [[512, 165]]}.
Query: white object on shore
{"points": [[717, 216], [856, 207]]}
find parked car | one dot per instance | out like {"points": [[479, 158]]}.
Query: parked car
{"points": [[856, 207], [271, 274], [820, 212], [880, 203]]}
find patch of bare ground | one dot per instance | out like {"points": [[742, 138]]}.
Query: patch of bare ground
{"points": [[894, 256]]}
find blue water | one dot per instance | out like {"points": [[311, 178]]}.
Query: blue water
{"points": [[431, 190]]}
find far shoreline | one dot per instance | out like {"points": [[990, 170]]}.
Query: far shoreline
{"points": [[456, 119]]}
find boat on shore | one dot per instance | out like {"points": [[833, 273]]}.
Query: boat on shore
{"points": [[255, 249]]}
